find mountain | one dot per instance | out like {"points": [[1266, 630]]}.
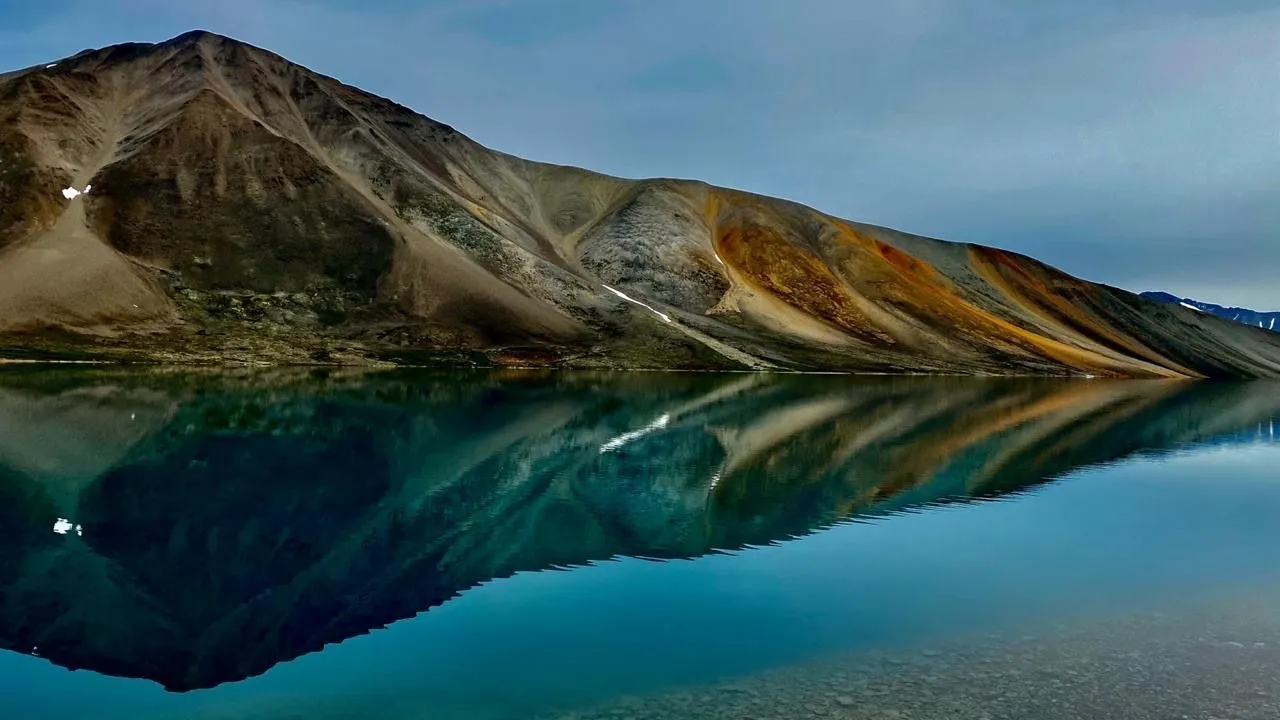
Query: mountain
{"points": [[216, 526], [1244, 316], [203, 200]]}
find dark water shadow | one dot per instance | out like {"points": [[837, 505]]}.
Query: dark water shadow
{"points": [[214, 525]]}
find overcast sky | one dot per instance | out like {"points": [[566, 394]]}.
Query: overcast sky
{"points": [[1134, 142]]}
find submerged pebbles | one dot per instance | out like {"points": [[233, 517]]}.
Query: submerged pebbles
{"points": [[1201, 667]]}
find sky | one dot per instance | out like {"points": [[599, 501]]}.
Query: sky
{"points": [[1132, 142]]}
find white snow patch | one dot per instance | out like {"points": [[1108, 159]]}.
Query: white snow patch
{"points": [[70, 193], [1190, 306], [64, 526], [665, 317], [626, 438], [1273, 324], [50, 65], [717, 256]]}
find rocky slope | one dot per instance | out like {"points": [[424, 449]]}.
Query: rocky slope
{"points": [[201, 530], [204, 200]]}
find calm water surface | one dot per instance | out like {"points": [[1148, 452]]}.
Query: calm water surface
{"points": [[542, 545]]}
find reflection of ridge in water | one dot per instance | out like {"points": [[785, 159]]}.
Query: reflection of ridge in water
{"points": [[239, 523]]}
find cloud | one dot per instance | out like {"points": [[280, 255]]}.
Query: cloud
{"points": [[1134, 143]]}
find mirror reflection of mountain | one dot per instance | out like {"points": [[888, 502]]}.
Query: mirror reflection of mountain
{"points": [[199, 529]]}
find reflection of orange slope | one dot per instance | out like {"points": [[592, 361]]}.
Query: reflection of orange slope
{"points": [[1040, 446], [885, 445], [360, 499], [914, 459]]}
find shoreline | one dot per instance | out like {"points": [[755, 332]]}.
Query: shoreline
{"points": [[239, 365]]}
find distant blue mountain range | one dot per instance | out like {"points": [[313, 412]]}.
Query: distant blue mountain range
{"points": [[1245, 316]]}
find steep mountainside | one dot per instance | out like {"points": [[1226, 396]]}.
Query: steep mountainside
{"points": [[1244, 316], [201, 199]]}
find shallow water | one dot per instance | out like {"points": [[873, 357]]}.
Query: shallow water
{"points": [[493, 545]]}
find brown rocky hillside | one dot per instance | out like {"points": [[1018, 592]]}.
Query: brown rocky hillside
{"points": [[240, 207]]}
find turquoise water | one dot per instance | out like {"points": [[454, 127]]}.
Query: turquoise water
{"points": [[491, 545]]}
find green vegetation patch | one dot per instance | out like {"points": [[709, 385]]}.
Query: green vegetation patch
{"points": [[452, 222]]}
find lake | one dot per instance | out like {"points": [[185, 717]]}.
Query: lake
{"points": [[527, 544]]}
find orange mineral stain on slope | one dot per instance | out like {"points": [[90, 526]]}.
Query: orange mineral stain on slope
{"points": [[1063, 305], [772, 266], [947, 319], [768, 255], [222, 171], [824, 274], [921, 301]]}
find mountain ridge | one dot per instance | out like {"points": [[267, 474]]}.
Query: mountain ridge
{"points": [[239, 207], [1244, 316]]}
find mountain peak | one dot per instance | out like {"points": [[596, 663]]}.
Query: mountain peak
{"points": [[95, 60], [202, 199], [195, 36]]}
